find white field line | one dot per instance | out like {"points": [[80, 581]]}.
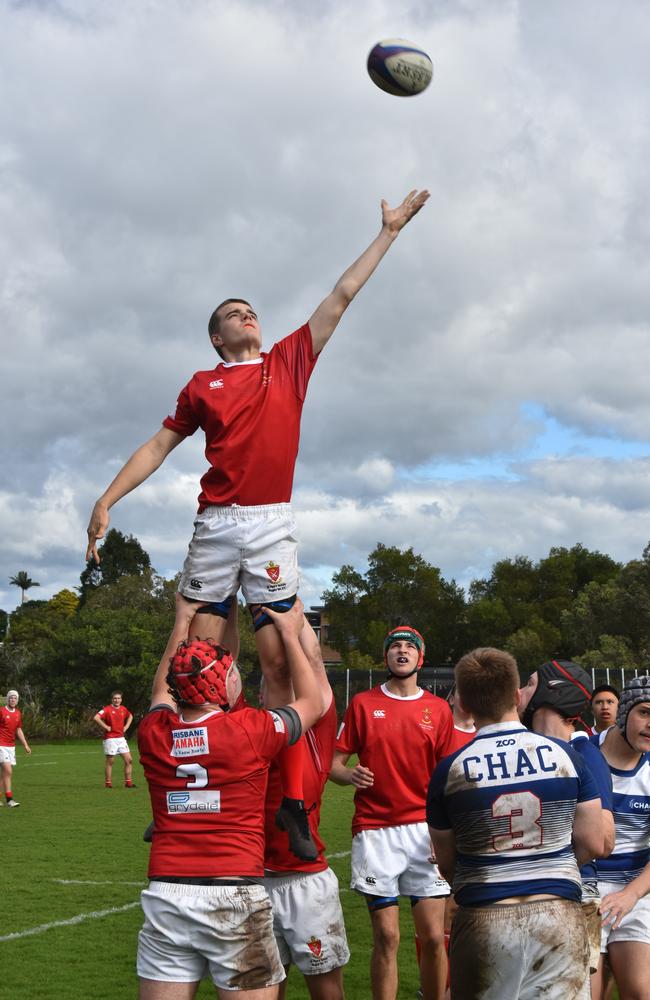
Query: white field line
{"points": [[341, 854], [79, 881], [72, 753], [79, 919], [43, 763]]}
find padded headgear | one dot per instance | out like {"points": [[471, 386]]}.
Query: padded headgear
{"points": [[563, 686], [201, 672], [405, 633], [14, 693], [634, 693]]}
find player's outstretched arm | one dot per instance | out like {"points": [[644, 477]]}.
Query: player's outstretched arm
{"points": [[341, 774], [326, 317], [139, 467], [308, 701]]}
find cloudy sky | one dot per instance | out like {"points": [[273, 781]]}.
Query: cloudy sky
{"points": [[484, 397]]}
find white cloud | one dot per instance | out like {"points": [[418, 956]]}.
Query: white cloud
{"points": [[159, 157]]}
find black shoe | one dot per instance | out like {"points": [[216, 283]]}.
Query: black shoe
{"points": [[292, 817], [147, 836]]}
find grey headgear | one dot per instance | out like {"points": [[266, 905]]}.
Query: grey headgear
{"points": [[634, 693]]}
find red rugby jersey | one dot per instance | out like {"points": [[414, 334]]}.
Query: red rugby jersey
{"points": [[250, 413], [320, 740], [207, 782], [401, 740], [459, 738], [10, 721], [115, 718]]}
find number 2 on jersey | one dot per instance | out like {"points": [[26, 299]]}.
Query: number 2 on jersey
{"points": [[524, 810]]}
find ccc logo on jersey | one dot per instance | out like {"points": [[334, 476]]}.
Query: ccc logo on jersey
{"points": [[379, 713]]}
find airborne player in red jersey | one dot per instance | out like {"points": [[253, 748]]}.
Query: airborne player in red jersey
{"points": [[206, 910], [250, 407], [399, 732]]}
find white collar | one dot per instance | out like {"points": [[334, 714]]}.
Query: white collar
{"points": [[235, 364], [397, 697]]}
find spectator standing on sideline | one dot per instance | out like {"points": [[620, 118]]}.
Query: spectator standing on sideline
{"points": [[114, 720], [11, 723]]}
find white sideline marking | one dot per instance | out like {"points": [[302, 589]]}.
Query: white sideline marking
{"points": [[341, 854], [48, 763], [79, 881], [79, 919]]}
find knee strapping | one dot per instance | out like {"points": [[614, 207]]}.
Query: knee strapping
{"points": [[219, 608], [260, 617]]}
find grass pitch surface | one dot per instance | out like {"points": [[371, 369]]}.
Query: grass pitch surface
{"points": [[73, 865]]}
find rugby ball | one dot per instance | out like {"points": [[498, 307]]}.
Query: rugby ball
{"points": [[399, 67]]}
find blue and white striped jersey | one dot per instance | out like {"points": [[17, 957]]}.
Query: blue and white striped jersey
{"points": [[510, 797], [599, 769], [631, 806]]}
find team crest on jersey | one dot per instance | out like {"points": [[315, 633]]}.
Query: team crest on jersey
{"points": [[190, 742], [425, 721], [315, 946], [272, 571]]}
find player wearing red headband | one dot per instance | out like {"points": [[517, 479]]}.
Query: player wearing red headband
{"points": [[399, 732]]}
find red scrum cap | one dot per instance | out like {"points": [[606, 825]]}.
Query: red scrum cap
{"points": [[202, 673]]}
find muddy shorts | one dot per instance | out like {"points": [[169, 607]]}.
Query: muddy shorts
{"points": [[225, 931], [523, 950], [308, 921]]}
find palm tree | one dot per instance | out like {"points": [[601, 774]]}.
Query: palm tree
{"points": [[24, 581]]}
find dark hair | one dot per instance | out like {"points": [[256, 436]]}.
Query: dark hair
{"points": [[113, 693], [606, 687], [487, 681], [213, 322]]}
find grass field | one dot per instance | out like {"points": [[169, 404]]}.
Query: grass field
{"points": [[73, 864]]}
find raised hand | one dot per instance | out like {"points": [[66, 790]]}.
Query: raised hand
{"points": [[394, 219]]}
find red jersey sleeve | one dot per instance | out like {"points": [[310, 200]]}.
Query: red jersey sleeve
{"points": [[185, 421], [297, 353], [348, 740]]}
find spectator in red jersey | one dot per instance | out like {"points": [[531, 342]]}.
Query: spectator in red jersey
{"points": [[11, 723], [114, 720], [399, 732], [206, 909], [250, 408]]}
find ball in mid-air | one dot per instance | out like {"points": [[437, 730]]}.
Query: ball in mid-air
{"points": [[399, 67]]}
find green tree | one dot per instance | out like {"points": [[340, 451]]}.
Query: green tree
{"points": [[23, 580], [399, 586], [120, 556]]}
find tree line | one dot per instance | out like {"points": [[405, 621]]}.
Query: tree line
{"points": [[66, 654]]}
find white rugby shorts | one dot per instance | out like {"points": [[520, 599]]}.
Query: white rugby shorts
{"points": [[115, 745], [395, 861], [635, 925], [308, 921], [8, 755], [225, 931], [254, 548], [523, 950]]}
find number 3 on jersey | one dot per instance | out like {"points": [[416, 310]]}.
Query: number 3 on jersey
{"points": [[195, 771], [524, 810]]}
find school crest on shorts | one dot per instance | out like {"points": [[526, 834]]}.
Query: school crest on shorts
{"points": [[272, 571], [315, 946]]}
